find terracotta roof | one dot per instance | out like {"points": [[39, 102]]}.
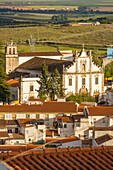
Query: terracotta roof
{"points": [[13, 82], [100, 110], [30, 54], [4, 134], [110, 128], [46, 107], [77, 117], [2, 123], [102, 139], [67, 119], [16, 136], [63, 140], [95, 158], [36, 64], [50, 133]]}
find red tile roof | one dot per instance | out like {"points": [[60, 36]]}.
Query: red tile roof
{"points": [[66, 119], [104, 128], [63, 140], [3, 134], [100, 110], [52, 133], [95, 158], [36, 64], [46, 107], [17, 136], [33, 54], [13, 82]]}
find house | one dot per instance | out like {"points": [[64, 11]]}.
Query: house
{"points": [[22, 131], [65, 125], [94, 122]]}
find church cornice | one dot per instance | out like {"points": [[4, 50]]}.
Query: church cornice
{"points": [[95, 72]]}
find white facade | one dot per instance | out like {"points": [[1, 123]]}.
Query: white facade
{"points": [[83, 76], [28, 88]]}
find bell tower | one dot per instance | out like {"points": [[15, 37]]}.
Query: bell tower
{"points": [[11, 57]]}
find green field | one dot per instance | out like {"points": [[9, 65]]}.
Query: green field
{"points": [[64, 2], [48, 38]]}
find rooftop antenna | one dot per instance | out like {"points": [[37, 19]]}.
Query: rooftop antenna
{"points": [[32, 43]]}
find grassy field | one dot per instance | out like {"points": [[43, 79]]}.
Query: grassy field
{"points": [[64, 37], [63, 2]]}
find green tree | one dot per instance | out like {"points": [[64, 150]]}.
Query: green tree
{"points": [[44, 82], [80, 98], [108, 71], [59, 19], [50, 85], [56, 88], [5, 92]]}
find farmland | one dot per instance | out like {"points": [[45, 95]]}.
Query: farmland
{"points": [[25, 19], [48, 38], [63, 2]]}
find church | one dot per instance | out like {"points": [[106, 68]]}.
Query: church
{"points": [[79, 73]]}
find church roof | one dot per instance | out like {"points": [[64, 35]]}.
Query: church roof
{"points": [[36, 64], [30, 54]]}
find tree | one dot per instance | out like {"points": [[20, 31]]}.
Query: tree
{"points": [[59, 19], [80, 98], [44, 82], [56, 88], [50, 84], [5, 92], [108, 71]]}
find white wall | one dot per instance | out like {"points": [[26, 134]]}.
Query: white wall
{"points": [[26, 82]]}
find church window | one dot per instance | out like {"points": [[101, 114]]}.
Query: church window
{"points": [[13, 50], [70, 81], [96, 80], [83, 81], [9, 50], [83, 67], [31, 88]]}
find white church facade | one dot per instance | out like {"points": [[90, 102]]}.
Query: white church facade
{"points": [[84, 76], [81, 76]]}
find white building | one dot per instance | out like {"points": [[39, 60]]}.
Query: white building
{"points": [[80, 74], [84, 76]]}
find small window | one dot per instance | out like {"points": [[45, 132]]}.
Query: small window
{"points": [[83, 81], [70, 81], [83, 67], [96, 80], [103, 120], [31, 88], [65, 125], [9, 50], [37, 116], [27, 116], [13, 50]]}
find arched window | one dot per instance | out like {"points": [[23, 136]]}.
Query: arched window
{"points": [[9, 50], [83, 67], [13, 50]]}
